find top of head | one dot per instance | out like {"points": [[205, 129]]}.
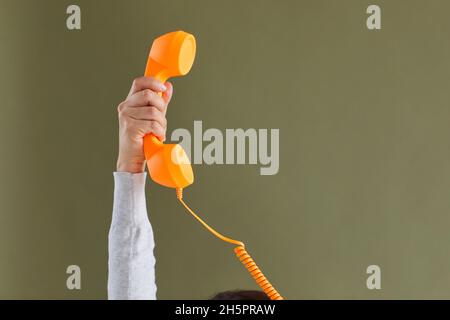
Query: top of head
{"points": [[174, 53]]}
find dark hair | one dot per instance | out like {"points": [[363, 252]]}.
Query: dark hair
{"points": [[240, 295]]}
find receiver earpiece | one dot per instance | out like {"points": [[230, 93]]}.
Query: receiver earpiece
{"points": [[171, 55]]}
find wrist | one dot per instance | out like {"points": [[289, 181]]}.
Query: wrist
{"points": [[130, 166]]}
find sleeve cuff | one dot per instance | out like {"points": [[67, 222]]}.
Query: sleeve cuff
{"points": [[128, 179], [129, 197]]}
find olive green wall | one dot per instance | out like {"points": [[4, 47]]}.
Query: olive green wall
{"points": [[364, 145]]}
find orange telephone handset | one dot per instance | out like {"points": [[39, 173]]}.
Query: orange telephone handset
{"points": [[172, 55]]}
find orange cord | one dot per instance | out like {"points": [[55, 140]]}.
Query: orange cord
{"points": [[240, 252]]}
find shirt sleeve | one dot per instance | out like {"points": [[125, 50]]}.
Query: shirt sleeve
{"points": [[131, 262]]}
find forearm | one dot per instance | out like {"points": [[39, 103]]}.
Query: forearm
{"points": [[131, 261]]}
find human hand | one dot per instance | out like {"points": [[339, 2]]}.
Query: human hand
{"points": [[143, 112]]}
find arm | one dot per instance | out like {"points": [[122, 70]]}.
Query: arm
{"points": [[131, 261]]}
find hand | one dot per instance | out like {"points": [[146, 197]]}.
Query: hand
{"points": [[142, 112]]}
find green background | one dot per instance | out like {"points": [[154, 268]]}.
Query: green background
{"points": [[364, 145]]}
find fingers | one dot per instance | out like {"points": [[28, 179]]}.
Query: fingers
{"points": [[142, 83], [146, 97], [147, 113], [145, 127], [144, 110]]}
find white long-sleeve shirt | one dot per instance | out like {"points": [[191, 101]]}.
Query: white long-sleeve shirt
{"points": [[131, 264]]}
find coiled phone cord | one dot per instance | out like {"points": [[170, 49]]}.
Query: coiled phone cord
{"points": [[241, 254]]}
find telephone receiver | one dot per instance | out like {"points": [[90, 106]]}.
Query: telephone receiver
{"points": [[171, 55]]}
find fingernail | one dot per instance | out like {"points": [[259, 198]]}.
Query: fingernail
{"points": [[162, 87]]}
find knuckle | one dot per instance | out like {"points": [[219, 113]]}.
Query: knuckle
{"points": [[161, 104], [152, 112], [120, 107], [160, 129], [148, 94], [136, 81], [155, 127], [121, 111]]}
